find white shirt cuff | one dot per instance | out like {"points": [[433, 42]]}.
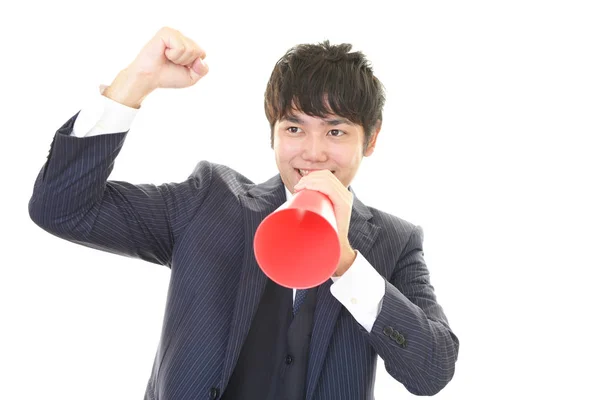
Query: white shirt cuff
{"points": [[102, 115], [360, 290]]}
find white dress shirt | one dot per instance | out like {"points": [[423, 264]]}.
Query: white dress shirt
{"points": [[360, 289]]}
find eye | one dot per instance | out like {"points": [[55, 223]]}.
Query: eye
{"points": [[293, 129], [336, 133]]}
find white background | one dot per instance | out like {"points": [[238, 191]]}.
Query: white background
{"points": [[489, 142]]}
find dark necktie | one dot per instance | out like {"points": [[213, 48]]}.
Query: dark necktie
{"points": [[300, 296]]}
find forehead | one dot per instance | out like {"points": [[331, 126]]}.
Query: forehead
{"points": [[301, 118]]}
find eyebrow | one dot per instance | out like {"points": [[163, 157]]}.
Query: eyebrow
{"points": [[332, 121]]}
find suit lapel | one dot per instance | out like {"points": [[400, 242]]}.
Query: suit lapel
{"points": [[257, 204], [362, 235]]}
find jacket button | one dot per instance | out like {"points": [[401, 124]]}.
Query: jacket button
{"points": [[395, 334], [387, 331], [214, 393], [289, 359], [401, 340]]}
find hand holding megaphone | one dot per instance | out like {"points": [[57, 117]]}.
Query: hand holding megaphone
{"points": [[299, 244]]}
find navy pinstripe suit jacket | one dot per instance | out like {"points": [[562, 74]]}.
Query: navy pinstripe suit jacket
{"points": [[203, 229]]}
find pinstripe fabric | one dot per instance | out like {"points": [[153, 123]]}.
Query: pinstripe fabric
{"points": [[203, 229]]}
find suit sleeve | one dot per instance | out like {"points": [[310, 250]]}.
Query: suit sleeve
{"points": [[411, 333], [74, 200]]}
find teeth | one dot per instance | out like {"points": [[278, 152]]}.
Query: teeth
{"points": [[304, 172]]}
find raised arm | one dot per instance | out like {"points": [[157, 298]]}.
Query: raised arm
{"points": [[72, 197]]}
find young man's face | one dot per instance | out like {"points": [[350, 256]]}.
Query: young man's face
{"points": [[303, 143]]}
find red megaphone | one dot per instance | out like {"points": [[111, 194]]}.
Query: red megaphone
{"points": [[297, 245]]}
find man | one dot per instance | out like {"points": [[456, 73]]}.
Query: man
{"points": [[229, 331]]}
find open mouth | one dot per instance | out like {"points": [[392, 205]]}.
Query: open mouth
{"points": [[304, 172]]}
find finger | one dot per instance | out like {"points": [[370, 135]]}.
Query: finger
{"points": [[316, 184], [192, 46], [192, 52], [175, 47], [199, 50], [336, 192], [319, 177]]}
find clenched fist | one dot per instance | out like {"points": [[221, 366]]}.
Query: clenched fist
{"points": [[168, 60]]}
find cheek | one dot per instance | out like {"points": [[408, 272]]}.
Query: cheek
{"points": [[285, 150], [277, 147], [345, 158]]}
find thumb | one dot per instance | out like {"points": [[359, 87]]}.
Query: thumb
{"points": [[198, 70]]}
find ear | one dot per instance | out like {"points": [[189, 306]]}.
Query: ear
{"points": [[373, 140]]}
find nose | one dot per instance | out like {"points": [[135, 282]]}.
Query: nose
{"points": [[314, 149]]}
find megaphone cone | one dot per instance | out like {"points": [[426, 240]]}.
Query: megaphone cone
{"points": [[297, 245]]}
